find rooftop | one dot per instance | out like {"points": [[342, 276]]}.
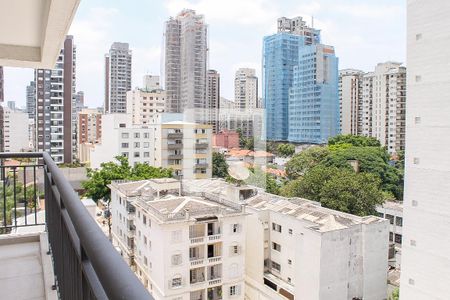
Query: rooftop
{"points": [[320, 219]]}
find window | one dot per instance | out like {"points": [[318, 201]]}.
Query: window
{"points": [[391, 236], [289, 261], [137, 135], [146, 135], [390, 218], [289, 279], [137, 154], [235, 290], [276, 247], [125, 145], [399, 221], [125, 135], [276, 266], [144, 219], [290, 231], [398, 238], [176, 281], [176, 259], [137, 144], [146, 154], [176, 236], [235, 228], [146, 144], [125, 154], [122, 125], [276, 227], [234, 250]]}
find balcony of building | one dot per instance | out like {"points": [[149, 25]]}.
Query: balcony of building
{"points": [[197, 276], [50, 246], [198, 295], [197, 255], [214, 253]]}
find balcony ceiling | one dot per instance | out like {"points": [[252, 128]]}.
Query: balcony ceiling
{"points": [[32, 31]]}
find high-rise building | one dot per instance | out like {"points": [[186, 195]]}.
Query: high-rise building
{"points": [[11, 105], [384, 105], [186, 63], [55, 96], [300, 84], [79, 101], [117, 77], [151, 82], [314, 96], [31, 100], [213, 99], [425, 266], [2, 95], [245, 89], [350, 99]]}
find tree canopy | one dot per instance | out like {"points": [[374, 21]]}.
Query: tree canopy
{"points": [[219, 165], [285, 150], [355, 140], [339, 189], [263, 180], [98, 179], [301, 162]]}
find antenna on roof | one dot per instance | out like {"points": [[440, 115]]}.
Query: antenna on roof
{"points": [[312, 21]]}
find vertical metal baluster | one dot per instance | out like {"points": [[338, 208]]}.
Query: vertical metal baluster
{"points": [[25, 192], [34, 188], [15, 196], [4, 195]]}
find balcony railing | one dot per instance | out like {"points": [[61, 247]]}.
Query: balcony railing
{"points": [[86, 265], [201, 145], [175, 135]]}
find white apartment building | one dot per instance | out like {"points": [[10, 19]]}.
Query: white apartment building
{"points": [[166, 142], [426, 244], [299, 250], [245, 89], [351, 100], [15, 130], [118, 63], [151, 82], [181, 246], [393, 211], [384, 105], [144, 104]]}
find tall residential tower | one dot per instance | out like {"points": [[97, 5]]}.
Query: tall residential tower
{"points": [[186, 62], [55, 96], [350, 101], [426, 207], [246, 89], [117, 77]]}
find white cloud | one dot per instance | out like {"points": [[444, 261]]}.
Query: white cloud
{"points": [[145, 61], [248, 12]]}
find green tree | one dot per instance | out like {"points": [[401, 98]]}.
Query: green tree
{"points": [[395, 294], [355, 140], [285, 150], [354, 193], [301, 162], [339, 189], [373, 160], [97, 184], [219, 165]]}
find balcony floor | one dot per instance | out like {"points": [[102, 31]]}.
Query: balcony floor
{"points": [[26, 271]]}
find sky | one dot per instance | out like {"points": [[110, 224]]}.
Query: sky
{"points": [[363, 32]]}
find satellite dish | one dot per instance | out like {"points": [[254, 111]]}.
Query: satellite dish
{"points": [[238, 171]]}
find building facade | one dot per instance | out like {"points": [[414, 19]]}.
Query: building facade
{"points": [[2, 94], [249, 122], [314, 97], [384, 105], [351, 101], [186, 247], [55, 104], [186, 63], [89, 126], [213, 99], [117, 77], [246, 89], [15, 129], [144, 104], [300, 250], [226, 139], [31, 100], [167, 142], [300, 84], [426, 247], [151, 82]]}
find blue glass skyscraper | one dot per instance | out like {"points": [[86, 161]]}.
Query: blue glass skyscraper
{"points": [[300, 89]]}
